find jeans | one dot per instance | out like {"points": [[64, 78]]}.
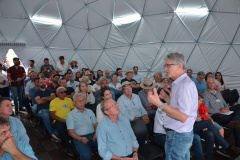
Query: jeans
{"points": [[44, 114], [209, 136], [197, 147], [17, 94], [26, 103], [63, 134], [177, 145], [85, 149], [34, 109], [159, 139]]}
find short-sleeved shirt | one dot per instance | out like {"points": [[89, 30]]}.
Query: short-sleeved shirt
{"points": [[202, 110], [138, 78], [70, 90], [81, 122], [35, 69], [15, 74], [62, 107], [132, 80], [201, 87], [24, 147], [62, 68], [42, 94]]}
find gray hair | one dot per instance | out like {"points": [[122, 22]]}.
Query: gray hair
{"points": [[77, 94], [103, 105], [178, 58], [60, 88], [4, 121], [201, 73]]}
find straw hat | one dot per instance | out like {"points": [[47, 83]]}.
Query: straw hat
{"points": [[101, 79], [148, 84], [164, 78], [125, 84], [128, 71], [85, 79]]}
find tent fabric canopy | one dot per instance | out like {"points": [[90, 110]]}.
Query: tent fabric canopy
{"points": [[210, 42]]}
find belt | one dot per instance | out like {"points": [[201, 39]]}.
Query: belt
{"points": [[167, 129]]}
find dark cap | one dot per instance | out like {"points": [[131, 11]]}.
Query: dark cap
{"points": [[15, 58]]}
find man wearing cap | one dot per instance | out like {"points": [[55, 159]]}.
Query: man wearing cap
{"points": [[146, 86], [16, 75], [180, 109], [129, 78], [62, 67], [71, 82], [130, 104], [103, 82], [59, 109], [136, 75], [4, 85]]}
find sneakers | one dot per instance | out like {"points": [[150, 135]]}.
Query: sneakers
{"points": [[55, 138]]}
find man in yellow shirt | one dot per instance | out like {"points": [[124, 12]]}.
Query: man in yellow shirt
{"points": [[59, 109]]}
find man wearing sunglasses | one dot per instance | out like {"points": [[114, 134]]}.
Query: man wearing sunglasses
{"points": [[59, 109]]}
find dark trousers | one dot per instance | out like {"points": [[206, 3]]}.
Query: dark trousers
{"points": [[225, 119], [63, 134], [209, 136], [4, 92], [27, 103]]}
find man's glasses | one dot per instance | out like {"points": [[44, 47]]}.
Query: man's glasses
{"points": [[112, 106], [169, 65], [83, 100]]}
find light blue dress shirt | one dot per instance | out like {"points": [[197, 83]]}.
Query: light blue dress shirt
{"points": [[184, 96], [138, 78], [115, 138], [18, 130], [201, 87], [82, 123], [24, 147], [29, 85], [131, 108]]}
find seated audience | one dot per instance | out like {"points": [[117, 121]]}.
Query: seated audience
{"points": [[189, 73], [203, 112], [90, 77], [136, 76], [41, 75], [46, 68], [83, 72], [200, 83], [220, 85], [71, 82], [32, 67], [69, 90], [120, 75], [82, 124], [104, 94], [107, 74], [11, 148], [219, 110], [43, 97], [99, 74], [116, 139], [86, 80], [83, 89], [146, 86], [157, 78], [208, 75], [17, 128], [103, 82], [77, 76], [59, 109], [54, 85], [32, 92], [114, 84], [50, 79], [129, 78], [74, 68]]}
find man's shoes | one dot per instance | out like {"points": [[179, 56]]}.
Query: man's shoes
{"points": [[224, 152], [69, 152], [55, 138]]}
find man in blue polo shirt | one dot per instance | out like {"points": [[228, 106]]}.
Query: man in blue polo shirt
{"points": [[81, 125], [200, 82]]}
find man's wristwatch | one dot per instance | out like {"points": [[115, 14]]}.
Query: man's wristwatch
{"points": [[161, 107]]}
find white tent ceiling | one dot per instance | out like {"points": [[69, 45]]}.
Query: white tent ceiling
{"points": [[210, 42]]}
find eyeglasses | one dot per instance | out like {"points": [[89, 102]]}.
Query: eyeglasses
{"points": [[112, 106], [169, 65], [63, 92], [80, 101]]}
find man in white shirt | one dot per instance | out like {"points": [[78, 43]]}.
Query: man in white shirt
{"points": [[4, 85], [62, 67]]}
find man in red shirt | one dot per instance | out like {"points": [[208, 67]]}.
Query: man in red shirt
{"points": [[16, 75]]}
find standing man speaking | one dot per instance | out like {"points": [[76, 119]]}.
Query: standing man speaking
{"points": [[181, 108]]}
